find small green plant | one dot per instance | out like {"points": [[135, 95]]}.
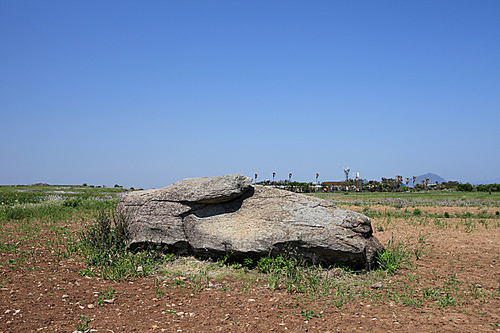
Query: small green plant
{"points": [[412, 277], [87, 271], [248, 263], [223, 261], [203, 280], [342, 266], [408, 301], [264, 264], [446, 215], [430, 293], [447, 301], [178, 282], [309, 314], [418, 253], [417, 212], [158, 291], [105, 295], [475, 291], [452, 281], [245, 288], [83, 325]]}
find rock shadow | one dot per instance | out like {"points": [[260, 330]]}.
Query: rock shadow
{"points": [[208, 210]]}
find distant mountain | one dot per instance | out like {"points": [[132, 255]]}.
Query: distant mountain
{"points": [[433, 178]]}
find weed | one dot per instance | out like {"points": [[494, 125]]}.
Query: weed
{"points": [[412, 277], [452, 281], [7, 247], [158, 291], [409, 301], [179, 282], [309, 314], [418, 253], [245, 288], [203, 279], [394, 257], [105, 295], [104, 246], [469, 224], [248, 263], [422, 238], [83, 325], [343, 266], [475, 291], [265, 264], [222, 261], [447, 301]]}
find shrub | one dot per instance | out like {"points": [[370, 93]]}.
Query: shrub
{"points": [[104, 247], [102, 243], [465, 187], [74, 202], [417, 212], [488, 188]]}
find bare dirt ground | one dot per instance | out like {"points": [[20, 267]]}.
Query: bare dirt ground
{"points": [[454, 286]]}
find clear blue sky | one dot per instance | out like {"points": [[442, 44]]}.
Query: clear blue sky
{"points": [[145, 93]]}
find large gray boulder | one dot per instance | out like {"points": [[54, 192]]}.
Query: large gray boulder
{"points": [[212, 216]]}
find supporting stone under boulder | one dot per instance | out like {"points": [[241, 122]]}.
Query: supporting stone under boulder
{"points": [[212, 216]]}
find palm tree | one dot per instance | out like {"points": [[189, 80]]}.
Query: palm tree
{"points": [[289, 177], [274, 175], [414, 179], [317, 175], [426, 182], [407, 181], [255, 178]]}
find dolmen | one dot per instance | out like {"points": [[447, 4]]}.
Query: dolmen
{"points": [[210, 217]]}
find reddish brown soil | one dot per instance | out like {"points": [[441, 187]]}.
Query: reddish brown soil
{"points": [[44, 294]]}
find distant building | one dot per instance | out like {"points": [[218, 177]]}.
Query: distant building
{"points": [[335, 186]]}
